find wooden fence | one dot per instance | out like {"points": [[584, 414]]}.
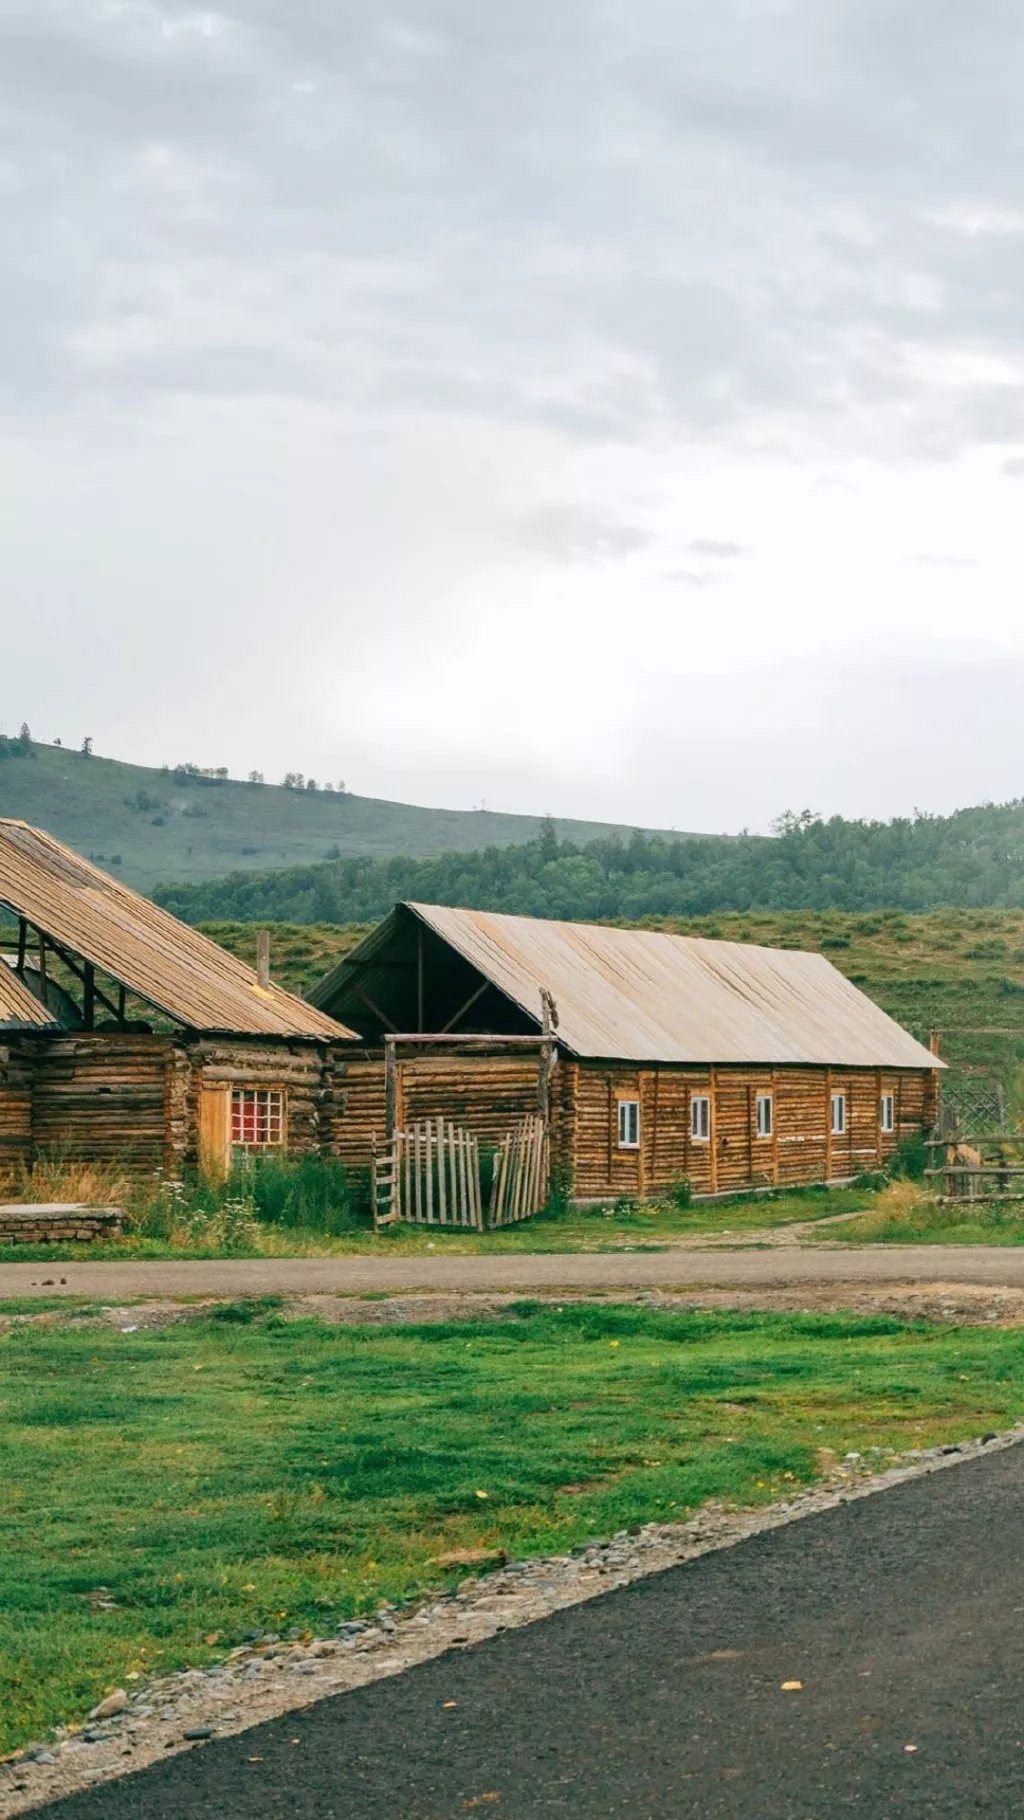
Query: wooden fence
{"points": [[519, 1185], [429, 1175], [986, 1167]]}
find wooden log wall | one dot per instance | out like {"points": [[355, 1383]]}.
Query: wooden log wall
{"points": [[15, 1110], [486, 1094], [100, 1097], [801, 1147]]}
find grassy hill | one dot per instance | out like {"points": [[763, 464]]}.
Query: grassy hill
{"points": [[146, 825], [951, 970], [971, 859]]}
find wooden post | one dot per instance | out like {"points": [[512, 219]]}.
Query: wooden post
{"points": [[612, 1136], [89, 996], [263, 958], [390, 1084], [42, 969], [775, 1128], [828, 1124], [121, 1006], [22, 942], [713, 1130], [654, 1128], [419, 982]]}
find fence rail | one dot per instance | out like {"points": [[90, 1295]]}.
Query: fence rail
{"points": [[981, 1167]]}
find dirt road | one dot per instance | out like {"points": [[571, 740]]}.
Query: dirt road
{"points": [[525, 1273]]}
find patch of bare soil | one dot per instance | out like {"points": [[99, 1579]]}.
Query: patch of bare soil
{"points": [[970, 1304]]}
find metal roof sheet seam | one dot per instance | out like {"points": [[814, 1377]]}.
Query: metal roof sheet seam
{"points": [[646, 995], [163, 961]]}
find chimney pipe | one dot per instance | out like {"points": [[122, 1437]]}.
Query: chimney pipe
{"points": [[263, 957]]}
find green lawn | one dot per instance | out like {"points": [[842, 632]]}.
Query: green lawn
{"points": [[244, 1470], [625, 1227]]}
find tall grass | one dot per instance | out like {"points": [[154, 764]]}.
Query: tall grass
{"points": [[307, 1193]]}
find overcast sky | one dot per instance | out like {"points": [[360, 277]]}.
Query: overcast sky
{"points": [[607, 407]]}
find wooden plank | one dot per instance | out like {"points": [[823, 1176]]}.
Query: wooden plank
{"points": [[442, 1186], [214, 1131]]}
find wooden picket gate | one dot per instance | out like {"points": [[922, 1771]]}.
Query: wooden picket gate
{"points": [[429, 1175], [519, 1186]]}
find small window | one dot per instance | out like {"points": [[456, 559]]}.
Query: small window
{"points": [[629, 1124], [700, 1118], [764, 1115], [257, 1118], [887, 1113], [838, 1114]]}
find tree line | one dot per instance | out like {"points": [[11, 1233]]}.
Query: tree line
{"points": [[972, 859]]}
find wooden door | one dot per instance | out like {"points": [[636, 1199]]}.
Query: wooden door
{"points": [[215, 1131]]}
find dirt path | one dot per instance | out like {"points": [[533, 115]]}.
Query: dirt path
{"points": [[524, 1274]]}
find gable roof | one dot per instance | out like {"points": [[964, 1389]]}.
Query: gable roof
{"points": [[18, 1006], [163, 961], [642, 995]]}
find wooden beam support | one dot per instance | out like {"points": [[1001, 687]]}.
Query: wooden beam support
{"points": [[419, 980], [22, 943], [468, 1006], [377, 1012], [43, 996], [89, 996]]}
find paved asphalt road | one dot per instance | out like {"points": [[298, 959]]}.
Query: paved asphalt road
{"points": [[669, 1269], [902, 1615]]}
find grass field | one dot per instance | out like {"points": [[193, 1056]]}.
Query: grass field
{"points": [[623, 1228], [146, 825], [163, 1492], [905, 1215]]}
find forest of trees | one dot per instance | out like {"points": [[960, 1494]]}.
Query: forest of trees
{"points": [[972, 859]]}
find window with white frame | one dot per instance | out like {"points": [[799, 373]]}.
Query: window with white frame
{"points": [[257, 1118], [629, 1124], [838, 1114], [700, 1118], [887, 1112], [764, 1115]]}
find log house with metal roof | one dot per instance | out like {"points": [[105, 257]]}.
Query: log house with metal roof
{"points": [[127, 1037], [733, 1066]]}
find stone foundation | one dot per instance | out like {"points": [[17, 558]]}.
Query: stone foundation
{"points": [[58, 1222]]}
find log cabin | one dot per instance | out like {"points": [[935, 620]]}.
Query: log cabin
{"points": [[673, 1058], [127, 1037]]}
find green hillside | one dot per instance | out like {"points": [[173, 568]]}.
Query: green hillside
{"points": [[147, 825], [952, 970]]}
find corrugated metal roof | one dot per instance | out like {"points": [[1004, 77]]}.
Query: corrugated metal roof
{"points": [[165, 962], [645, 996], [18, 1007]]}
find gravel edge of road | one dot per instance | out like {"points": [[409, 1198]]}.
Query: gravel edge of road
{"points": [[273, 1676]]}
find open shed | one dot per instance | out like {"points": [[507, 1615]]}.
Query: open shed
{"points": [[127, 1037]]}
